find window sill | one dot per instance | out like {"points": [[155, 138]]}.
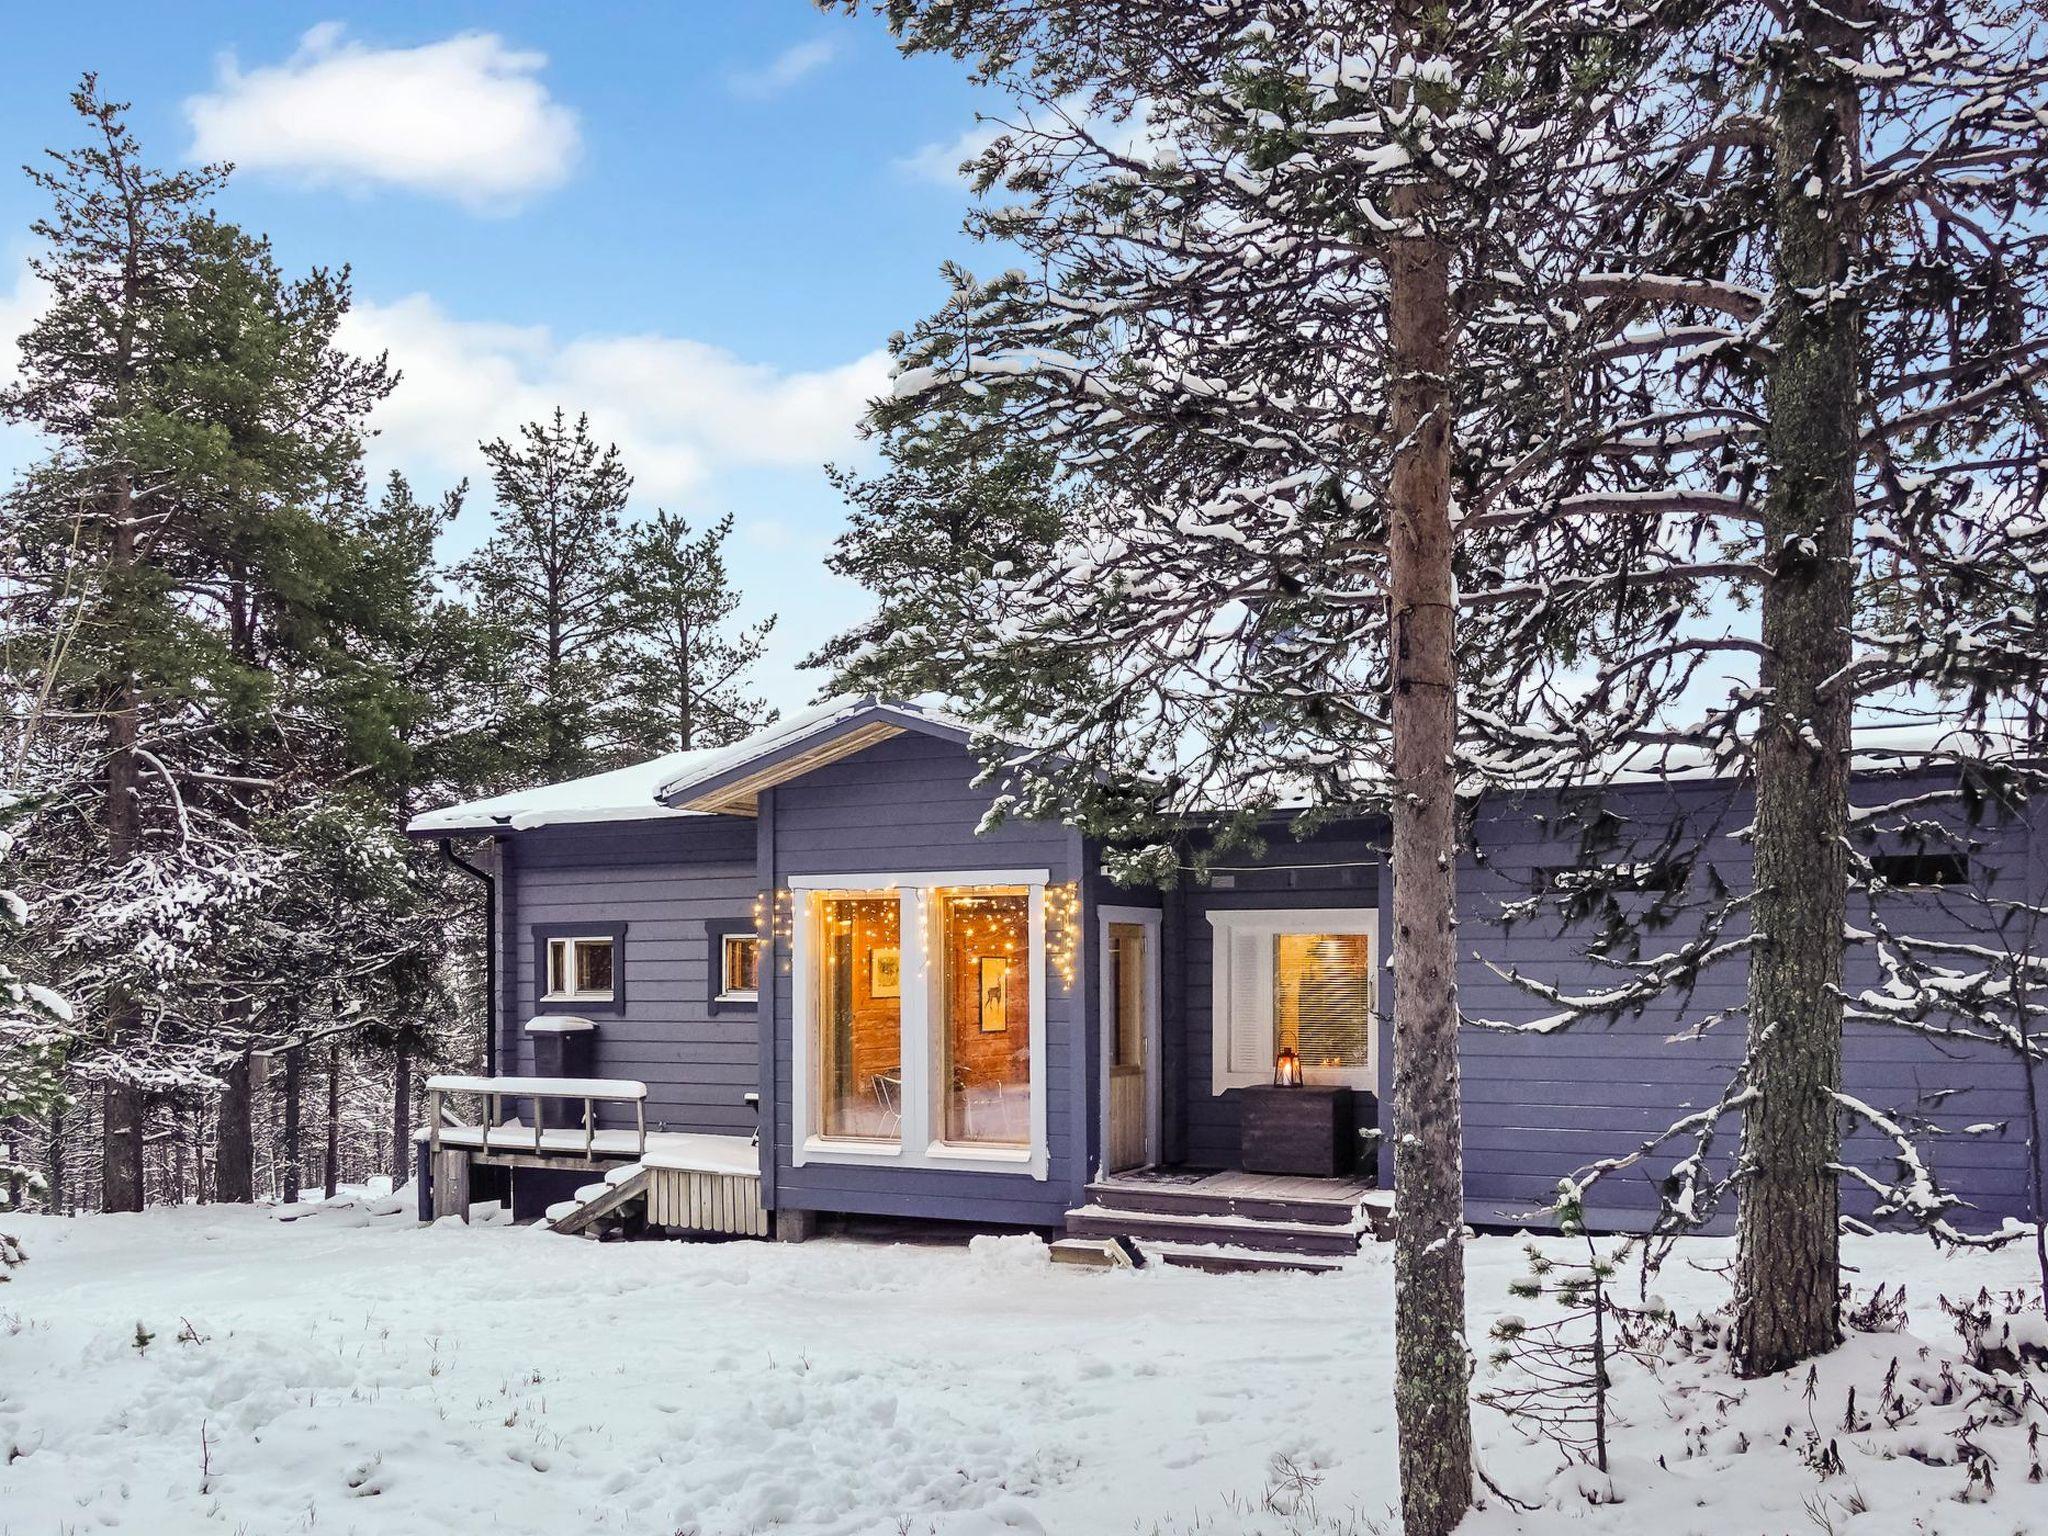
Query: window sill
{"points": [[937, 1158], [578, 997], [737, 997]]}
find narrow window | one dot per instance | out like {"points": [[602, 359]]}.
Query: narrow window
{"points": [[1322, 998], [1127, 989], [580, 970], [740, 968], [859, 956], [985, 1015], [1910, 869]]}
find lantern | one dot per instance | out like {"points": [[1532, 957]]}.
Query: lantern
{"points": [[1287, 1068]]}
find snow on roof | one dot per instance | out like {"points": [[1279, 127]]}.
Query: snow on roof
{"points": [[637, 793], [623, 794]]}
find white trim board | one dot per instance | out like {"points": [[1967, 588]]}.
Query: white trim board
{"points": [[1150, 919], [1224, 983]]}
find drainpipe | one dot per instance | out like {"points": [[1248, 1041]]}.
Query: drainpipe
{"points": [[490, 951]]}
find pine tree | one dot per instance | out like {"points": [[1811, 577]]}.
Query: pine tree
{"points": [[1274, 338], [97, 379], [684, 670], [955, 507], [550, 576]]}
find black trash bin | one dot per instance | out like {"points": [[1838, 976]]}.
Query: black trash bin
{"points": [[563, 1046]]}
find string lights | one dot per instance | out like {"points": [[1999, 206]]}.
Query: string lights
{"points": [[1063, 931]]}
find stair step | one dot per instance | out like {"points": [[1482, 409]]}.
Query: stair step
{"points": [[1239, 1261], [1187, 1199], [1232, 1231]]}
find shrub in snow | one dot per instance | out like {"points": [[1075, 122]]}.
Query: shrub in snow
{"points": [[1553, 1376]]}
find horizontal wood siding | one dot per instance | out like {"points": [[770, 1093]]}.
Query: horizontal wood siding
{"points": [[1539, 1108], [665, 880], [906, 805]]}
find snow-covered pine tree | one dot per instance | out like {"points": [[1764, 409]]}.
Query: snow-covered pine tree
{"points": [[549, 575], [1284, 309], [951, 510], [1832, 261], [37, 1028], [684, 666]]}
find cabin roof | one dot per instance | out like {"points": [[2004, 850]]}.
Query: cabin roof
{"points": [[705, 782]]}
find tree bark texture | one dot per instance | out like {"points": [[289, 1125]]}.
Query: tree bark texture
{"points": [[1431, 1361], [1788, 1248], [401, 1120], [234, 1157], [293, 1145], [330, 1167]]}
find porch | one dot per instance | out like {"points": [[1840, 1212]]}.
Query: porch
{"points": [[576, 1175]]}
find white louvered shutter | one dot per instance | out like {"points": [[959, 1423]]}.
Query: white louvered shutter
{"points": [[1250, 996]]}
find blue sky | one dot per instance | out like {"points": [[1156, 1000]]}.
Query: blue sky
{"points": [[700, 222]]}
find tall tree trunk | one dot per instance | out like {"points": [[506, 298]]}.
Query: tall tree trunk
{"points": [[122, 1105], [330, 1168], [121, 1115], [401, 1120], [234, 1155], [17, 1185], [1430, 1361], [54, 1154], [1788, 1249], [292, 1144]]}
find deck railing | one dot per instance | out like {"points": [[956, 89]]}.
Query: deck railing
{"points": [[593, 1091]]}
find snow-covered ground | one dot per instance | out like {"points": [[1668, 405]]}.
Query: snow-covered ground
{"points": [[355, 1373]]}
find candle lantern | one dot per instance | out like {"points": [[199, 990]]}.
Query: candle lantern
{"points": [[1287, 1068]]}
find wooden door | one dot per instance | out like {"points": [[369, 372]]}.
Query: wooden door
{"points": [[1127, 995]]}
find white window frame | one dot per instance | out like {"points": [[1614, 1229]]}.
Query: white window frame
{"points": [[921, 1142], [1270, 923], [1149, 919], [727, 992], [570, 943]]}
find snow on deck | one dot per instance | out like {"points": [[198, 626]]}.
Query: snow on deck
{"points": [[405, 1381], [684, 1150]]}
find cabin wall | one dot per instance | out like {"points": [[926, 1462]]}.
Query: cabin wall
{"points": [[1539, 1107], [907, 805], [669, 881]]}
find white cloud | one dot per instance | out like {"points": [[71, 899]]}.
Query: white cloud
{"points": [[465, 118], [940, 163], [785, 69], [681, 411]]}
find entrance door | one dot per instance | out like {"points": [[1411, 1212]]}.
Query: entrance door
{"points": [[1129, 1043]]}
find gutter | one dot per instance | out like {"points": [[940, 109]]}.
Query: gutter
{"points": [[490, 883]]}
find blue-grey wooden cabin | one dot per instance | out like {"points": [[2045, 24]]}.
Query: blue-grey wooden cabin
{"points": [[807, 936]]}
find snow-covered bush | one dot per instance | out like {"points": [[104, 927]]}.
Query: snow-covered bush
{"points": [[35, 1029]]}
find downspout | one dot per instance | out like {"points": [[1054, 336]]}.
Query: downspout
{"points": [[490, 950]]}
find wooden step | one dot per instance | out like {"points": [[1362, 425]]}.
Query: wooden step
{"points": [[613, 1197], [1095, 1253], [1163, 1199], [1238, 1261], [1263, 1236]]}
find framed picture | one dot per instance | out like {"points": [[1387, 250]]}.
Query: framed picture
{"points": [[885, 971], [994, 975]]}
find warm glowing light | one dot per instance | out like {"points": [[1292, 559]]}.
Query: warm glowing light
{"points": [[1287, 1068]]}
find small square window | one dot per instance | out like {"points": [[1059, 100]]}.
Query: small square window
{"points": [[580, 970], [740, 968]]}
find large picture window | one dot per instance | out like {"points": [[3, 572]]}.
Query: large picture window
{"points": [[1300, 981], [919, 1021], [860, 1017], [985, 1016]]}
